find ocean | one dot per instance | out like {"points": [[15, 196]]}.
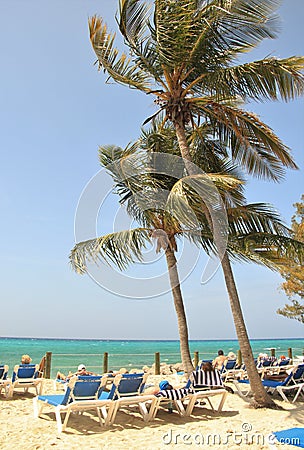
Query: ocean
{"points": [[67, 354]]}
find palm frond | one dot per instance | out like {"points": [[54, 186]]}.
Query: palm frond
{"points": [[121, 249], [120, 68], [256, 218], [253, 144], [271, 250], [269, 78]]}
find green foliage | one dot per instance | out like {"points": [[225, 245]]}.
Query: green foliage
{"points": [[294, 273], [186, 54]]}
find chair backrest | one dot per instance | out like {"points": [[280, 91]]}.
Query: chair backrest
{"points": [[298, 373], [128, 385], [267, 362], [284, 362], [25, 371], [229, 364], [201, 379], [3, 371], [83, 388]]}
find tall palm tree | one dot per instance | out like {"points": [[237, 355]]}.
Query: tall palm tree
{"points": [[157, 223], [186, 57]]}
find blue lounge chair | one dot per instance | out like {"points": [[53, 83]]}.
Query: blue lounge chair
{"points": [[25, 376], [293, 382], [82, 394], [292, 436], [127, 390], [231, 370], [3, 378]]}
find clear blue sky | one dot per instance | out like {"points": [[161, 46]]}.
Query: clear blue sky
{"points": [[55, 111]]}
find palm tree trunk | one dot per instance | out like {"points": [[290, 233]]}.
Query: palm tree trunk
{"points": [[261, 398], [180, 311]]}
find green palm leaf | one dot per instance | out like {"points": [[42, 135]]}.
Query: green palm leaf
{"points": [[121, 249], [253, 144], [120, 68]]}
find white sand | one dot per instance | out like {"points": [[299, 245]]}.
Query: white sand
{"points": [[168, 431]]}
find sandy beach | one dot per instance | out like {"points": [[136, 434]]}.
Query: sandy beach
{"points": [[237, 426]]}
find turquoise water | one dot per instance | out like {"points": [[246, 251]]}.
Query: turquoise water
{"points": [[68, 353]]}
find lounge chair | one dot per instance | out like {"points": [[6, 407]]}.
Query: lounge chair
{"points": [[205, 385], [3, 378], [292, 382], [231, 370], [201, 386], [170, 398], [25, 376], [81, 395], [267, 362], [127, 390]]}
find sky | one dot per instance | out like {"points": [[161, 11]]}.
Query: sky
{"points": [[55, 110]]}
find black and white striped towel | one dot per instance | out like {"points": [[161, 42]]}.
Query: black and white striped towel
{"points": [[206, 379], [174, 394]]}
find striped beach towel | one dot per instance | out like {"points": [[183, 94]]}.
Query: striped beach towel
{"points": [[202, 379], [174, 394]]}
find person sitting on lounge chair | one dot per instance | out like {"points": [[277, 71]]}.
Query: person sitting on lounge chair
{"points": [[81, 371], [219, 360], [26, 359]]}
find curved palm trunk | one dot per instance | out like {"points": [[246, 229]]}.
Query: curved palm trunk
{"points": [[261, 398], [180, 311], [260, 395]]}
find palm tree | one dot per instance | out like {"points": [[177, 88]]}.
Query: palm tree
{"points": [[186, 57], [125, 247]]}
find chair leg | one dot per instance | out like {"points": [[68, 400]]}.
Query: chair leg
{"points": [[223, 399], [65, 422], [143, 411], [153, 408], [58, 420], [190, 405], [112, 411], [239, 391], [35, 405], [10, 391], [99, 416], [300, 392], [280, 391], [180, 407]]}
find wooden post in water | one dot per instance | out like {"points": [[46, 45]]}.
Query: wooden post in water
{"points": [[239, 358], [272, 352], [48, 363], [290, 353], [196, 359], [105, 362], [157, 364]]}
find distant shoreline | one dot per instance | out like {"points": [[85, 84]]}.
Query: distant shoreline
{"points": [[147, 340]]}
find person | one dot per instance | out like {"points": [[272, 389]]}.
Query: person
{"points": [[231, 356], [210, 377], [81, 371], [26, 359], [219, 360]]}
